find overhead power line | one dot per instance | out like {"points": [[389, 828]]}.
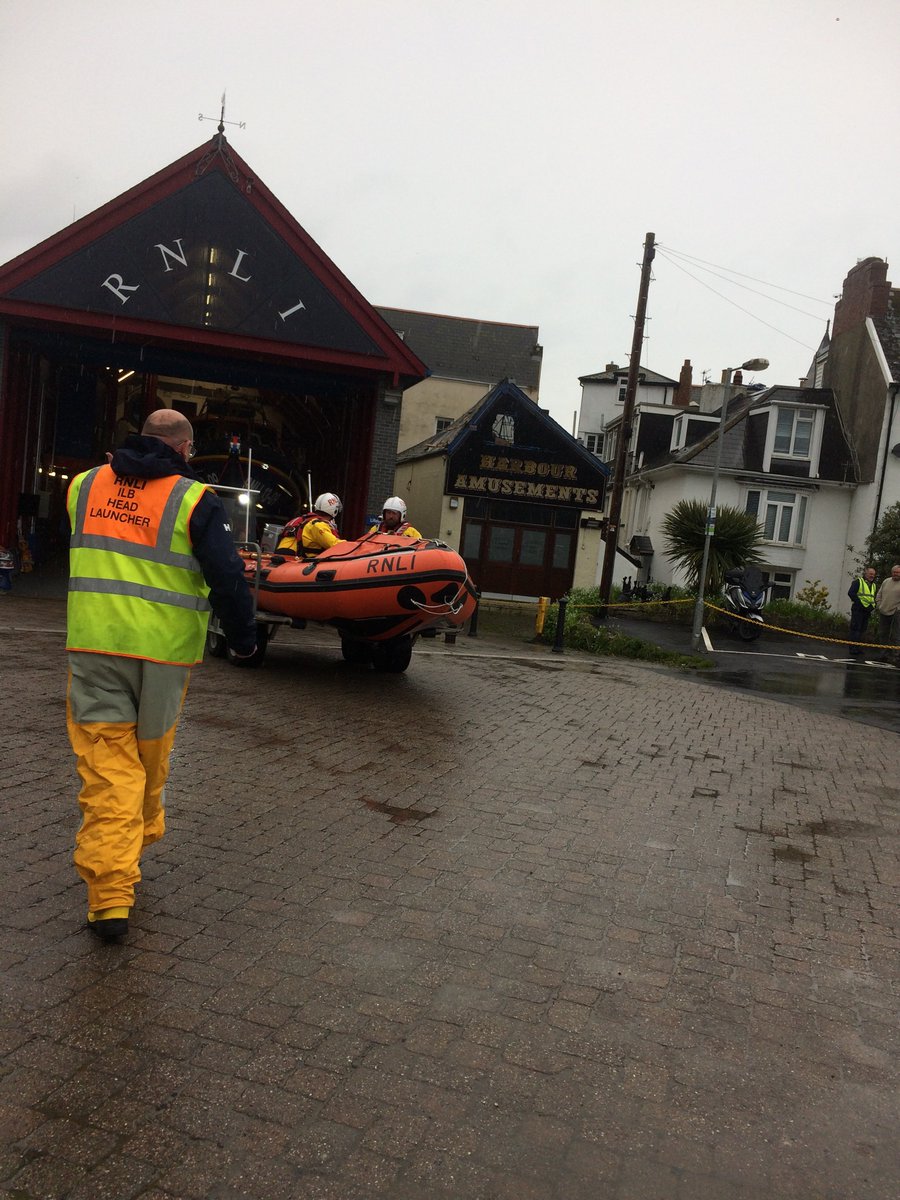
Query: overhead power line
{"points": [[774, 299], [692, 259], [728, 300]]}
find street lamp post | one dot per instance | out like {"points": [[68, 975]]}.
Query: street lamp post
{"points": [[752, 364]]}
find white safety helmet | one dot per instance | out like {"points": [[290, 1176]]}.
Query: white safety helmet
{"points": [[328, 503], [395, 504]]}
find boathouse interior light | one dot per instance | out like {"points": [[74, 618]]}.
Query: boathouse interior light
{"points": [[125, 375]]}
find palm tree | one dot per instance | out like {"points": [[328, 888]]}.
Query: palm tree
{"points": [[735, 542]]}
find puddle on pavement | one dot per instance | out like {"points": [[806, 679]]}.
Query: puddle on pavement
{"points": [[866, 687], [791, 854], [839, 829], [399, 816], [771, 682]]}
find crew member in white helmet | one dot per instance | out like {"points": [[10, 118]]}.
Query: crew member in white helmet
{"points": [[393, 519], [314, 531]]}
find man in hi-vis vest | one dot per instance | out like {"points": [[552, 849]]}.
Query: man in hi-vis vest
{"points": [[862, 605], [151, 554]]}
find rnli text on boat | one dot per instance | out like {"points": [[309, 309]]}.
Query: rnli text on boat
{"points": [[390, 563]]}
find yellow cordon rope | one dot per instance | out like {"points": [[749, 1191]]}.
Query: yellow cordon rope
{"points": [[630, 604], [815, 637]]}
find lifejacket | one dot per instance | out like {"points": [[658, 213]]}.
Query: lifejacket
{"points": [[135, 588], [865, 593], [291, 540], [401, 528]]}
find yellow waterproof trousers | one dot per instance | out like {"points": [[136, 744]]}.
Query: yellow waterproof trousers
{"points": [[122, 714]]}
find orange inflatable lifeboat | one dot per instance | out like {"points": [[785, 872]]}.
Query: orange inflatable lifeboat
{"points": [[379, 592]]}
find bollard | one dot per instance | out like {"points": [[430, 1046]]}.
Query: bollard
{"points": [[560, 625], [541, 615], [473, 620]]}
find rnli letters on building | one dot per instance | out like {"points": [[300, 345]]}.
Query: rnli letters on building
{"points": [[116, 284]]}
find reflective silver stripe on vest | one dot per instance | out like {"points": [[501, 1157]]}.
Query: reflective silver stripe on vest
{"points": [[160, 553], [81, 506], [865, 592], [118, 587]]}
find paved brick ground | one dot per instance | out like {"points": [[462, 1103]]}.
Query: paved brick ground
{"points": [[502, 927]]}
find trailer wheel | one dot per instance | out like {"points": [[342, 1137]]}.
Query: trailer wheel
{"points": [[392, 657], [215, 643], [355, 652], [257, 658]]}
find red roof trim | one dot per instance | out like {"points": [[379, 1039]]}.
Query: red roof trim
{"points": [[398, 359]]}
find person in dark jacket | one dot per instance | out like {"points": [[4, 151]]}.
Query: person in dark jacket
{"points": [[862, 605], [151, 554]]}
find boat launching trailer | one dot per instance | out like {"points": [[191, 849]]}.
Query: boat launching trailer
{"points": [[379, 592]]}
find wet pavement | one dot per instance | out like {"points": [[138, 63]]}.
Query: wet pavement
{"points": [[816, 675], [511, 925]]}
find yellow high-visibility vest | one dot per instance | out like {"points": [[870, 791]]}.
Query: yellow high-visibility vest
{"points": [[135, 587], [865, 593]]}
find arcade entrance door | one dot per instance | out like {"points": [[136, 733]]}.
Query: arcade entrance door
{"points": [[518, 549]]}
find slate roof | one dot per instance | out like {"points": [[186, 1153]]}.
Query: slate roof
{"points": [[439, 443], [446, 441], [836, 459], [469, 349], [703, 453], [645, 375]]}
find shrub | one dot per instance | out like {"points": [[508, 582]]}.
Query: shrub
{"points": [[883, 544], [580, 634], [813, 594], [806, 618]]}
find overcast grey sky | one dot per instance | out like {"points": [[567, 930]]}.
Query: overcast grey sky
{"points": [[500, 159]]}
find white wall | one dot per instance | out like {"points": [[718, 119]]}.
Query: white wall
{"points": [[820, 557], [599, 403]]}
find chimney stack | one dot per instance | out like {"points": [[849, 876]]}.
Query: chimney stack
{"points": [[682, 397], [866, 293]]}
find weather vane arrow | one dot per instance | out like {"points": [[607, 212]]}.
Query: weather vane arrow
{"points": [[222, 121]]}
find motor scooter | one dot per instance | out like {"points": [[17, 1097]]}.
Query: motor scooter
{"points": [[744, 595]]}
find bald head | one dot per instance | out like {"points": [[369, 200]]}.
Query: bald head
{"points": [[168, 425]]}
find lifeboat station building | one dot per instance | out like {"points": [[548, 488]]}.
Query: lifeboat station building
{"points": [[512, 491], [195, 290]]}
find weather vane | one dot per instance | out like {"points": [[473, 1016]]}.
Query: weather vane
{"points": [[220, 147], [222, 121]]}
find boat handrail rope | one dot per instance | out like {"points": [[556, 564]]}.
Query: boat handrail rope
{"points": [[449, 606]]}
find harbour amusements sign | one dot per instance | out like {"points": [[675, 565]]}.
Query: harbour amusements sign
{"points": [[512, 450]]}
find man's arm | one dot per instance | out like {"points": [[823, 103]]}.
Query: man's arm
{"points": [[223, 570], [317, 536]]}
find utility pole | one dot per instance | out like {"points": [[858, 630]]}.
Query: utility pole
{"points": [[618, 482]]}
